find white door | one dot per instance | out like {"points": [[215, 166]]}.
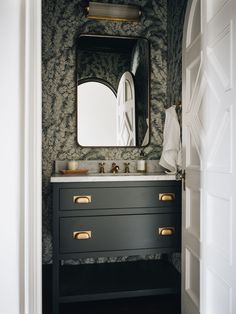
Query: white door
{"points": [[192, 90], [126, 134], [209, 146]]}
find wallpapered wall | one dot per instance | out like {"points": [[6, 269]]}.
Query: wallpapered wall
{"points": [[175, 21], [62, 22], [95, 65]]}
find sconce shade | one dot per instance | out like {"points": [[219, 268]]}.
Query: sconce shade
{"points": [[114, 12]]}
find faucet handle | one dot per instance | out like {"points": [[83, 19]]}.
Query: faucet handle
{"points": [[101, 167], [126, 167]]}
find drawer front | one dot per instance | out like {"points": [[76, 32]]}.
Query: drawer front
{"points": [[119, 197], [118, 233]]}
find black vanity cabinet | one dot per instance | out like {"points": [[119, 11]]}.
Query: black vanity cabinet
{"points": [[114, 219]]}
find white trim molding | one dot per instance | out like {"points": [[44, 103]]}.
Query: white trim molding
{"points": [[31, 299]]}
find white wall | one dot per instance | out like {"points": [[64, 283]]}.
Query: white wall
{"points": [[11, 134], [96, 115]]}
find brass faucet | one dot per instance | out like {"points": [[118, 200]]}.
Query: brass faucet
{"points": [[115, 168]]}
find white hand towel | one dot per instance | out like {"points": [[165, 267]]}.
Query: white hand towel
{"points": [[171, 157]]}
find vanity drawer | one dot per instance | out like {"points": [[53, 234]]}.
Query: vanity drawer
{"points": [[119, 233], [119, 197]]}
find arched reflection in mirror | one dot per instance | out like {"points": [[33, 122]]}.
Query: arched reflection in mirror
{"points": [[97, 126]]}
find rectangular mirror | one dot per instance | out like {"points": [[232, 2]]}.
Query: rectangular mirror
{"points": [[112, 91]]}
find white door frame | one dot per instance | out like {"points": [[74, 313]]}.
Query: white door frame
{"points": [[30, 246], [31, 231]]}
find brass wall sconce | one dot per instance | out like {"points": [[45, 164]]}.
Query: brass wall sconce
{"points": [[113, 12]]}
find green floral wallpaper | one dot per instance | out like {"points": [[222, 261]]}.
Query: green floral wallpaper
{"points": [[176, 13], [62, 22]]}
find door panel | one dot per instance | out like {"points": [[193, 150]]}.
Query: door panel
{"points": [[215, 240], [194, 23], [192, 73], [193, 93], [218, 295], [193, 212], [209, 133], [192, 154], [220, 158], [213, 7], [126, 126], [192, 283]]}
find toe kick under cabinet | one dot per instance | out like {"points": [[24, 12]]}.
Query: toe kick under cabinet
{"points": [[114, 219]]}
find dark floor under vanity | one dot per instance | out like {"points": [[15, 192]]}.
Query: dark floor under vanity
{"points": [[168, 304]]}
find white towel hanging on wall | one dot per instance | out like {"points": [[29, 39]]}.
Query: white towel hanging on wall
{"points": [[171, 158]]}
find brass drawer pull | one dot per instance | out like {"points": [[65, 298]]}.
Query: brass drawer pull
{"points": [[166, 231], [166, 197], [82, 199], [82, 235]]}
